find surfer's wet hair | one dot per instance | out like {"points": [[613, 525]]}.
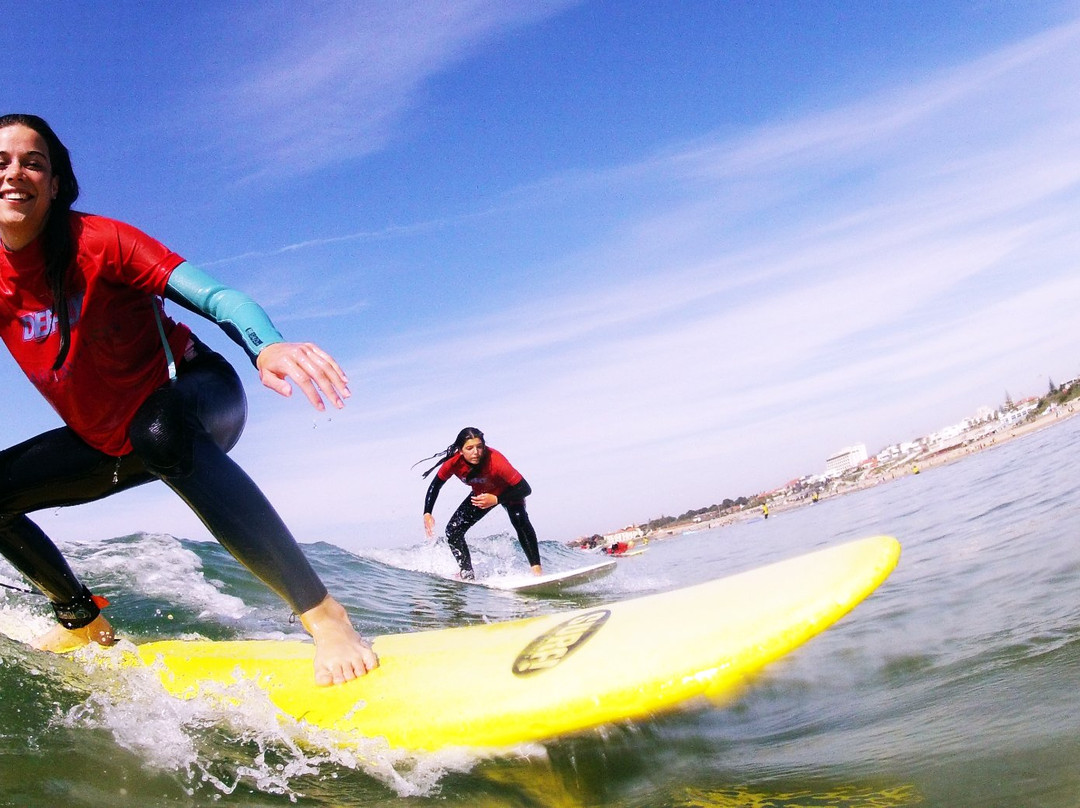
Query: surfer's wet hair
{"points": [[56, 242], [463, 437]]}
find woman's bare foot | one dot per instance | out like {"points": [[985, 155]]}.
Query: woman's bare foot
{"points": [[59, 639], [340, 653], [537, 570]]}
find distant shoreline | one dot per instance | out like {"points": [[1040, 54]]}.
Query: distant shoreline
{"points": [[878, 476]]}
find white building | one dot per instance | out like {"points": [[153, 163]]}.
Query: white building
{"points": [[847, 458]]}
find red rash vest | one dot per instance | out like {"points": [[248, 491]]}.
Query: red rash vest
{"points": [[116, 358], [493, 476]]}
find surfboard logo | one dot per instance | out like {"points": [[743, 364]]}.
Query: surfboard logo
{"points": [[554, 645]]}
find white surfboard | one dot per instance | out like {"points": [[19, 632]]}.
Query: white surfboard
{"points": [[548, 582]]}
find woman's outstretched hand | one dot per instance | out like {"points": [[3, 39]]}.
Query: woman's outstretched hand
{"points": [[307, 365]]}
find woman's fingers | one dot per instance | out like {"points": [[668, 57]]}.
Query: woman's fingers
{"points": [[308, 366]]}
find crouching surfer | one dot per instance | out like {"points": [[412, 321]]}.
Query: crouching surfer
{"points": [[493, 482], [141, 397]]}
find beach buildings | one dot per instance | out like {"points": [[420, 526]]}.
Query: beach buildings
{"points": [[845, 460]]}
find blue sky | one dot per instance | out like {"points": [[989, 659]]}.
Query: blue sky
{"points": [[662, 254]]}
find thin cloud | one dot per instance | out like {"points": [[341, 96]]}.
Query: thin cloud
{"points": [[339, 83]]}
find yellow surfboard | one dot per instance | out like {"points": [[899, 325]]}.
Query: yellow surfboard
{"points": [[529, 680]]}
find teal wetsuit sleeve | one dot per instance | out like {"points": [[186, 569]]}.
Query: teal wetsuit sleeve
{"points": [[238, 315]]}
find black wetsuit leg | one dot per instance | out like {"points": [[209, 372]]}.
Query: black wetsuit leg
{"points": [[526, 534], [52, 470], [464, 518], [181, 433]]}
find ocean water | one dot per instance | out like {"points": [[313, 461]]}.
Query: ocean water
{"points": [[956, 684]]}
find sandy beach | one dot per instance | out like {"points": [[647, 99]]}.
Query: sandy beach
{"points": [[871, 474]]}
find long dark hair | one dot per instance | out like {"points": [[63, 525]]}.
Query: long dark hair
{"points": [[467, 434], [56, 239]]}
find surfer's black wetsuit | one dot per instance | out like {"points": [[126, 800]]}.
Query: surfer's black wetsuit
{"points": [[180, 435], [467, 515]]}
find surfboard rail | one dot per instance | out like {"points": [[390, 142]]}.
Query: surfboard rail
{"points": [[548, 582]]}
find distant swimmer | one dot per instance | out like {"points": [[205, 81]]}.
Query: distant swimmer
{"points": [[494, 482]]}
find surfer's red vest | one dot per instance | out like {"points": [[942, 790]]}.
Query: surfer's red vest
{"points": [[116, 357], [493, 476]]}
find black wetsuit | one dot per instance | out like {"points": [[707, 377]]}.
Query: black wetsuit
{"points": [[180, 435], [467, 515]]}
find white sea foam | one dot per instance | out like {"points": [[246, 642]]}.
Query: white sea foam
{"points": [[160, 567], [20, 622], [496, 555]]}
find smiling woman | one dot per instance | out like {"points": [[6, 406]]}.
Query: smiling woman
{"points": [[141, 397]]}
